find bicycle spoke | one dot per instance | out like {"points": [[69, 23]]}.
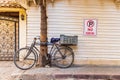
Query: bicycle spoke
{"points": [[66, 59], [26, 61]]}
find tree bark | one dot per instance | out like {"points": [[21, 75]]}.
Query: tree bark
{"points": [[43, 33]]}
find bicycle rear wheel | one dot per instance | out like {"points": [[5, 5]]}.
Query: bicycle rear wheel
{"points": [[64, 57], [24, 61]]}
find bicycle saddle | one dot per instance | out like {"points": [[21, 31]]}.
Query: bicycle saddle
{"points": [[53, 40]]}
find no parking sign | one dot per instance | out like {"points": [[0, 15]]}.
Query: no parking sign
{"points": [[90, 27]]}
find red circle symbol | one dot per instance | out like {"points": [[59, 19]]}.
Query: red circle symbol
{"points": [[90, 23]]}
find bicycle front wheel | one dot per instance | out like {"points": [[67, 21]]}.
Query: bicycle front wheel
{"points": [[24, 58], [64, 57]]}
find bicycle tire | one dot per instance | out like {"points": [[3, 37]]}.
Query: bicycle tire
{"points": [[57, 57], [30, 59]]}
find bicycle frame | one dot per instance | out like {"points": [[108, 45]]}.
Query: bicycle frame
{"points": [[53, 48]]}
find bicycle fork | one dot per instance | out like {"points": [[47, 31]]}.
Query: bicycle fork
{"points": [[30, 50]]}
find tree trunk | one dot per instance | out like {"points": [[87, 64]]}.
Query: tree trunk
{"points": [[43, 34]]}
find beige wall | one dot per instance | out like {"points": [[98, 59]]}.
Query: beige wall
{"points": [[67, 17], [22, 29], [33, 23]]}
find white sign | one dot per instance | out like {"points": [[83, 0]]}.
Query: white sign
{"points": [[90, 27]]}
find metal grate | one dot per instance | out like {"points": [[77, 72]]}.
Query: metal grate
{"points": [[8, 38], [68, 40]]}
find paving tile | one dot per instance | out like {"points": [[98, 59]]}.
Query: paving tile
{"points": [[9, 72], [66, 79]]}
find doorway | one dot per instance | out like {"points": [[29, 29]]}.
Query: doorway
{"points": [[9, 35]]}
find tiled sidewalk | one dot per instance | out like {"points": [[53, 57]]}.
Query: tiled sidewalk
{"points": [[74, 73], [6, 69], [9, 72]]}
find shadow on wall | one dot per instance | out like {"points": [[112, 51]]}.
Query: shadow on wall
{"points": [[117, 4], [104, 2], [53, 2]]}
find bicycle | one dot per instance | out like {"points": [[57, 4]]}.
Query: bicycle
{"points": [[62, 56]]}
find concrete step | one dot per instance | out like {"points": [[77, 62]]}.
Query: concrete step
{"points": [[76, 73], [67, 77], [86, 77]]}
